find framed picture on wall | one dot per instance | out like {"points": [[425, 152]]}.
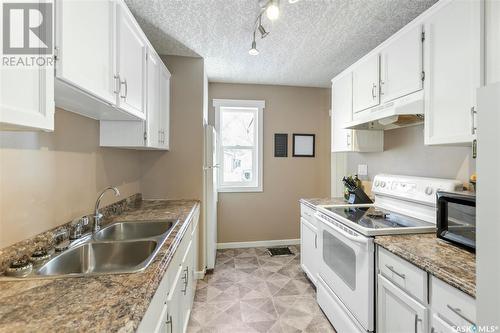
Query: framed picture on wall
{"points": [[304, 145]]}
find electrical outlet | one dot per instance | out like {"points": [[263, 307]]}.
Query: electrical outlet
{"points": [[362, 170]]}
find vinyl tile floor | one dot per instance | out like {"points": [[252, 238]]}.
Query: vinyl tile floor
{"points": [[249, 291]]}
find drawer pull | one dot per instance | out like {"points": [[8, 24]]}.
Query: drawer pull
{"points": [[169, 324], [395, 272], [459, 313]]}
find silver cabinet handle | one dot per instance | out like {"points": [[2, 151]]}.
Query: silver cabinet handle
{"points": [[315, 241], [124, 82], [185, 278], [459, 313], [169, 324], [382, 87], [349, 140], [417, 320], [391, 268], [116, 77], [473, 112], [374, 87]]}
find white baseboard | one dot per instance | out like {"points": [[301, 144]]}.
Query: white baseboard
{"points": [[277, 242], [199, 275]]}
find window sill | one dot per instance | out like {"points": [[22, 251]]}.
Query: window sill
{"points": [[240, 189]]}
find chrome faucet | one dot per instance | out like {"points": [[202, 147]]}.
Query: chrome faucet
{"points": [[98, 216]]}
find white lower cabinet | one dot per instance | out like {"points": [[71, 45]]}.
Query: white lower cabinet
{"points": [[170, 308], [410, 300], [308, 249], [397, 311]]}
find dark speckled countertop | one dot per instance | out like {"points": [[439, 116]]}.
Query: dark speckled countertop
{"points": [[106, 303], [453, 265], [313, 202]]}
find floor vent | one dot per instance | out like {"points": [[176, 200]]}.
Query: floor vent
{"points": [[279, 251]]}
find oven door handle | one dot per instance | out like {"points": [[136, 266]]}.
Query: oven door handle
{"points": [[357, 239]]}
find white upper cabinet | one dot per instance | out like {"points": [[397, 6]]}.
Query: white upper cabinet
{"points": [[164, 116], [27, 98], [401, 65], [365, 83], [492, 32], [347, 140], [453, 59], [27, 93], [341, 113], [131, 64], [86, 52], [153, 100], [151, 133]]}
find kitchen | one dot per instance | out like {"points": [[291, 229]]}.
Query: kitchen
{"points": [[164, 176]]}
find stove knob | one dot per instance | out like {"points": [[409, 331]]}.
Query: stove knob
{"points": [[377, 183], [429, 190], [382, 184]]}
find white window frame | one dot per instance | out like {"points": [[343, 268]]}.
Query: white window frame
{"points": [[258, 153]]}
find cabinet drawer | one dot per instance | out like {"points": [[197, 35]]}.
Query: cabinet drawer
{"points": [[404, 274], [452, 305], [308, 213]]}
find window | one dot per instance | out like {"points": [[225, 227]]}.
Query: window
{"points": [[239, 128]]}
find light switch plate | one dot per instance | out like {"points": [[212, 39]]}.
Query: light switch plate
{"points": [[362, 170]]}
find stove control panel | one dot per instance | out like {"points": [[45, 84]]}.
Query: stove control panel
{"points": [[413, 188]]}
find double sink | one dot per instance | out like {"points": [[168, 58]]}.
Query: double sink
{"points": [[122, 247]]}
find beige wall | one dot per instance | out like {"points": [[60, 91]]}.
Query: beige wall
{"points": [[274, 213], [47, 179], [178, 173]]}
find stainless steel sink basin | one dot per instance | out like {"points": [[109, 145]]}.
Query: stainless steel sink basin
{"points": [[121, 247], [102, 257], [134, 230]]}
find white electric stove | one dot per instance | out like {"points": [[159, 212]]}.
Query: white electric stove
{"points": [[346, 281]]}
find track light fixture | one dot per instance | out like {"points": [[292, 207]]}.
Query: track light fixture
{"points": [[262, 30], [253, 51]]}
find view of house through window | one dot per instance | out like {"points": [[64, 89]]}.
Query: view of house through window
{"points": [[239, 148]]}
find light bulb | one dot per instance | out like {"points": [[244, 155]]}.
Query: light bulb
{"points": [[272, 11]]}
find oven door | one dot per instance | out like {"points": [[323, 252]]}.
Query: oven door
{"points": [[347, 267]]}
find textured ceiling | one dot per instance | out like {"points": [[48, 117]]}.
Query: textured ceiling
{"points": [[311, 42]]}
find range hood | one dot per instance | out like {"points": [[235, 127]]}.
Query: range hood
{"points": [[401, 112]]}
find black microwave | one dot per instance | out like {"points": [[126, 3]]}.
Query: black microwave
{"points": [[456, 218]]}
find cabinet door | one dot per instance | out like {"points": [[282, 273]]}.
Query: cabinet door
{"points": [[187, 290], [453, 66], [438, 325], [341, 114], [174, 317], [131, 63], [309, 249], [27, 94], [153, 100], [397, 311], [402, 66], [86, 52], [365, 84], [164, 108], [492, 42]]}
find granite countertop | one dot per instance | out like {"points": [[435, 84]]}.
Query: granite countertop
{"points": [[95, 304], [313, 202], [453, 265]]}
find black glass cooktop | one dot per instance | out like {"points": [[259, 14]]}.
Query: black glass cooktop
{"points": [[375, 218]]}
